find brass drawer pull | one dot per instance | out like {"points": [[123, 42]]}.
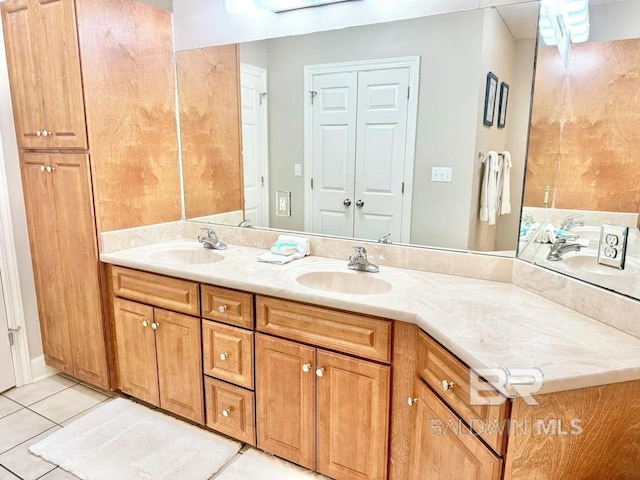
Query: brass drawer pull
{"points": [[446, 385], [224, 356]]}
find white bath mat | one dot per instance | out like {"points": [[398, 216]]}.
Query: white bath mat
{"points": [[126, 441], [256, 465]]}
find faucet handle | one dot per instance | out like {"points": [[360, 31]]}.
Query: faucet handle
{"points": [[360, 252], [207, 232]]}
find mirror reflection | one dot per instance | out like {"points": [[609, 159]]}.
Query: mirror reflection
{"points": [[369, 132], [583, 168]]}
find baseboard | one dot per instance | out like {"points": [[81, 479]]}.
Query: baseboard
{"points": [[40, 370]]}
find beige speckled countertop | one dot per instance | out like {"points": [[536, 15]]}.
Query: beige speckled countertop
{"points": [[487, 324]]}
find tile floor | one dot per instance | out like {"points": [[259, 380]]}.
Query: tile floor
{"points": [[30, 413]]}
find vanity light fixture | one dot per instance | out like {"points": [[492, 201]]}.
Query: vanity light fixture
{"points": [[276, 6], [564, 18]]}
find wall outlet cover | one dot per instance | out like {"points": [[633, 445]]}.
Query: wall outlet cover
{"points": [[612, 249], [283, 203], [441, 174]]}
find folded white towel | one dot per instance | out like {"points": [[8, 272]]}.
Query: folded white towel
{"points": [[286, 249], [547, 235]]}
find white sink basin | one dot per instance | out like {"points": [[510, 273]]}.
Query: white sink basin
{"points": [[186, 256], [588, 262], [351, 282]]}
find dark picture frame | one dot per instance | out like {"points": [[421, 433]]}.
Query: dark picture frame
{"points": [[490, 95], [502, 106]]}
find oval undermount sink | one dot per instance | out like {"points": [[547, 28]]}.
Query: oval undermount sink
{"points": [[588, 262], [350, 283], [186, 256]]}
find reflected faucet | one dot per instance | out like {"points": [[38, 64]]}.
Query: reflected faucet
{"points": [[560, 247], [359, 262], [385, 238], [210, 240], [245, 223], [572, 221]]}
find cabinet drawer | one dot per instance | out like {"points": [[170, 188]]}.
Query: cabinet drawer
{"points": [[228, 353], [437, 366], [227, 306], [230, 410], [349, 333], [158, 290]]}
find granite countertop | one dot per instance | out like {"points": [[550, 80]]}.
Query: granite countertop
{"points": [[486, 324]]}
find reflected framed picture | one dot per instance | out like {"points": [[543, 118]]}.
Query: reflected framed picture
{"points": [[502, 106], [490, 99]]}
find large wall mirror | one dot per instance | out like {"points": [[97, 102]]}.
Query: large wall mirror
{"points": [[584, 154], [360, 131]]}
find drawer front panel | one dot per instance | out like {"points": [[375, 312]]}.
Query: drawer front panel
{"points": [[230, 410], [227, 306], [158, 290], [437, 366], [228, 353], [349, 333]]}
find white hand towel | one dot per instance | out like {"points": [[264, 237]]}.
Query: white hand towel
{"points": [[280, 255], [505, 195], [547, 234], [489, 189]]}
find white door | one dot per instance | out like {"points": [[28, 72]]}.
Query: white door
{"points": [[253, 98], [333, 143], [7, 379], [380, 153]]}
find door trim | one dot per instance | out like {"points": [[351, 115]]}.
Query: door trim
{"points": [[264, 145], [411, 62], [12, 293]]}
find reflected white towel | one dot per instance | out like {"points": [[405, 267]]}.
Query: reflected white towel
{"points": [[504, 206], [489, 189]]}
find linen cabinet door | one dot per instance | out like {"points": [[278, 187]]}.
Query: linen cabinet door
{"points": [[353, 417], [285, 395], [442, 448], [178, 340], [136, 350], [45, 253]]}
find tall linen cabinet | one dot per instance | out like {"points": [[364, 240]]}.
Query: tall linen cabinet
{"points": [[93, 95]]}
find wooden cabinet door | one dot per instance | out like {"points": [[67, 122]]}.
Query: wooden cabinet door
{"points": [[136, 350], [19, 19], [353, 417], [285, 395], [61, 76], [78, 273], [178, 341], [442, 448], [45, 255]]}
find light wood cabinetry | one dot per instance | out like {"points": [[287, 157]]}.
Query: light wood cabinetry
{"points": [[65, 259], [230, 410], [228, 353], [227, 306], [320, 409]]}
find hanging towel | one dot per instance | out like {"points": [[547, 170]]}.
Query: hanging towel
{"points": [[489, 189], [504, 206]]}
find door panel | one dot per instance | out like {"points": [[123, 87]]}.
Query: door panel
{"points": [[333, 152], [178, 340], [136, 349], [286, 399], [353, 416], [380, 152]]}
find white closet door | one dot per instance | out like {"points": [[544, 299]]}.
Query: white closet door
{"points": [[380, 153], [7, 380], [333, 151], [253, 82]]}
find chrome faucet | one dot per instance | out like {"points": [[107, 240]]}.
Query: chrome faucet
{"points": [[385, 238], [572, 221], [209, 239], [560, 247], [245, 223], [358, 261]]}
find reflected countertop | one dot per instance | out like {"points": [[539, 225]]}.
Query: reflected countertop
{"points": [[486, 324]]}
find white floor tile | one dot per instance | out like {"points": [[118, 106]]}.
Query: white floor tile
{"points": [[25, 464], [34, 392], [6, 475], [8, 406], [68, 403], [20, 427], [59, 474], [82, 414]]}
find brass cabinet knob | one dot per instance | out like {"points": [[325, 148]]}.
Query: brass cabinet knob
{"points": [[46, 133], [49, 169], [446, 385], [155, 325], [222, 308], [43, 168], [320, 372], [412, 401], [38, 133], [224, 356], [306, 368], [145, 323], [226, 412]]}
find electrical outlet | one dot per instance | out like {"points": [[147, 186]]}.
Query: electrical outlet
{"points": [[612, 249], [441, 174], [283, 203]]}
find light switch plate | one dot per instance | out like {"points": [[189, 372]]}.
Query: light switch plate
{"points": [[297, 169], [441, 174], [283, 203], [612, 249]]}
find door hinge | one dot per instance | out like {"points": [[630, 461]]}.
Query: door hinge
{"points": [[312, 184], [13, 331], [313, 94], [262, 95], [408, 92], [402, 188], [262, 181]]}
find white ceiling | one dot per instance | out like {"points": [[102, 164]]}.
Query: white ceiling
{"points": [[521, 19]]}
